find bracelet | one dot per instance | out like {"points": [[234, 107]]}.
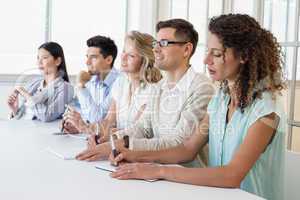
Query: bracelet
{"points": [[126, 141]]}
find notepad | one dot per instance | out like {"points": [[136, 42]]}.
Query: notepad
{"points": [[106, 166], [82, 136], [65, 153]]}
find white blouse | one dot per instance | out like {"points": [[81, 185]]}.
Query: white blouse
{"points": [[129, 109]]}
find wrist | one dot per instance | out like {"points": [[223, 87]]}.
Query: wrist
{"points": [[161, 171], [81, 85]]}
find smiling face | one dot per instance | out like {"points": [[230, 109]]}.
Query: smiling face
{"points": [[171, 57], [221, 64], [46, 62], [131, 60]]}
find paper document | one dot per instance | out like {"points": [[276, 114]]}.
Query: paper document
{"points": [[65, 153], [106, 166]]}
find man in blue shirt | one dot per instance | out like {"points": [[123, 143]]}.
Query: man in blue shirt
{"points": [[94, 85]]}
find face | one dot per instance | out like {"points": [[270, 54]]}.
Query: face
{"points": [[130, 60], [221, 65], [171, 57], [95, 61], [46, 62]]}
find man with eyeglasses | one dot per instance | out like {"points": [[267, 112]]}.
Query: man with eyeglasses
{"points": [[178, 102], [93, 85]]}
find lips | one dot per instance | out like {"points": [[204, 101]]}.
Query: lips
{"points": [[211, 71]]}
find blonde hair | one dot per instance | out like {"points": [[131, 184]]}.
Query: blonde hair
{"points": [[143, 44]]}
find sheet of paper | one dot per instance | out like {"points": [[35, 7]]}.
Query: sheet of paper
{"points": [[65, 153], [106, 166]]}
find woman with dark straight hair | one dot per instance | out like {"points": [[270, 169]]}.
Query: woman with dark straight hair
{"points": [[44, 98]]}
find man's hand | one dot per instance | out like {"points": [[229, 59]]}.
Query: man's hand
{"points": [[73, 120], [83, 78]]}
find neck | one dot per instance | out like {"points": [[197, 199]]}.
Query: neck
{"points": [[134, 79], [102, 75], [49, 78], [232, 93], [175, 75]]}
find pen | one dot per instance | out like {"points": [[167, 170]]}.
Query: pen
{"points": [[63, 120], [113, 147], [62, 125], [97, 136]]}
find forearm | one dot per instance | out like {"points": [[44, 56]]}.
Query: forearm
{"points": [[215, 177], [173, 155]]}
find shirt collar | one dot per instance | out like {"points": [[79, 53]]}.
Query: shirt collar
{"points": [[184, 83], [109, 79], [55, 83]]}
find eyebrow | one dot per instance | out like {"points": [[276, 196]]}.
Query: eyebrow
{"points": [[217, 49]]}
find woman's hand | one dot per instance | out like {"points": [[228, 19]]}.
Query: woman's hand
{"points": [[146, 171], [23, 92], [125, 155], [13, 102]]}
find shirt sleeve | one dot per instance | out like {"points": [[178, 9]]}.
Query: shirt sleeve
{"points": [[89, 109], [193, 112], [51, 110]]}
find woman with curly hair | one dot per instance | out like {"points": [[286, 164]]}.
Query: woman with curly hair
{"points": [[244, 125]]}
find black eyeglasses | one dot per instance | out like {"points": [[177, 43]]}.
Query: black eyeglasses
{"points": [[165, 43]]}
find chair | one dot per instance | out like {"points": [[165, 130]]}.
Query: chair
{"points": [[292, 176]]}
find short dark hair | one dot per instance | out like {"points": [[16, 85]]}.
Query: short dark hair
{"points": [[57, 52], [183, 30], [106, 45]]}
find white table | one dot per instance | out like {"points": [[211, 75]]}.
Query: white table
{"points": [[27, 171]]}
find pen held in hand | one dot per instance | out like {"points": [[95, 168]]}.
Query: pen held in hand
{"points": [[113, 148]]}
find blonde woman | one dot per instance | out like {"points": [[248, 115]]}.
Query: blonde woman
{"points": [[130, 91]]}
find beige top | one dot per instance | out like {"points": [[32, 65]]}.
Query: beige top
{"points": [[171, 115]]}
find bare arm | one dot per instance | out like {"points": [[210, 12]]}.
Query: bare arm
{"points": [[257, 139], [182, 153]]}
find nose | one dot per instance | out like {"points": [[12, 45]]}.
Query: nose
{"points": [[38, 61], [207, 59], [123, 57], [88, 61], [156, 48]]}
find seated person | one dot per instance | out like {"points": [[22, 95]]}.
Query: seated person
{"points": [[94, 86], [176, 104], [44, 98], [130, 91], [244, 125]]}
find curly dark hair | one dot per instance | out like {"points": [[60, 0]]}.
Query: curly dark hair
{"points": [[262, 70]]}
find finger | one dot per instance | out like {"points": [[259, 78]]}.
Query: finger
{"points": [[94, 158], [119, 158], [85, 154]]}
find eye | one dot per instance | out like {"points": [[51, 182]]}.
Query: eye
{"points": [[216, 54]]}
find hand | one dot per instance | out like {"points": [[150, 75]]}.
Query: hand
{"points": [[83, 78], [68, 128], [23, 92], [125, 155], [73, 121], [144, 171], [13, 102], [99, 152]]}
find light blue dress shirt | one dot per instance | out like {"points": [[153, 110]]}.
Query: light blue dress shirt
{"points": [[266, 176], [95, 98], [46, 103]]}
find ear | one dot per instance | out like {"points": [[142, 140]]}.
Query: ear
{"points": [[243, 61], [109, 59], [188, 50], [58, 61]]}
